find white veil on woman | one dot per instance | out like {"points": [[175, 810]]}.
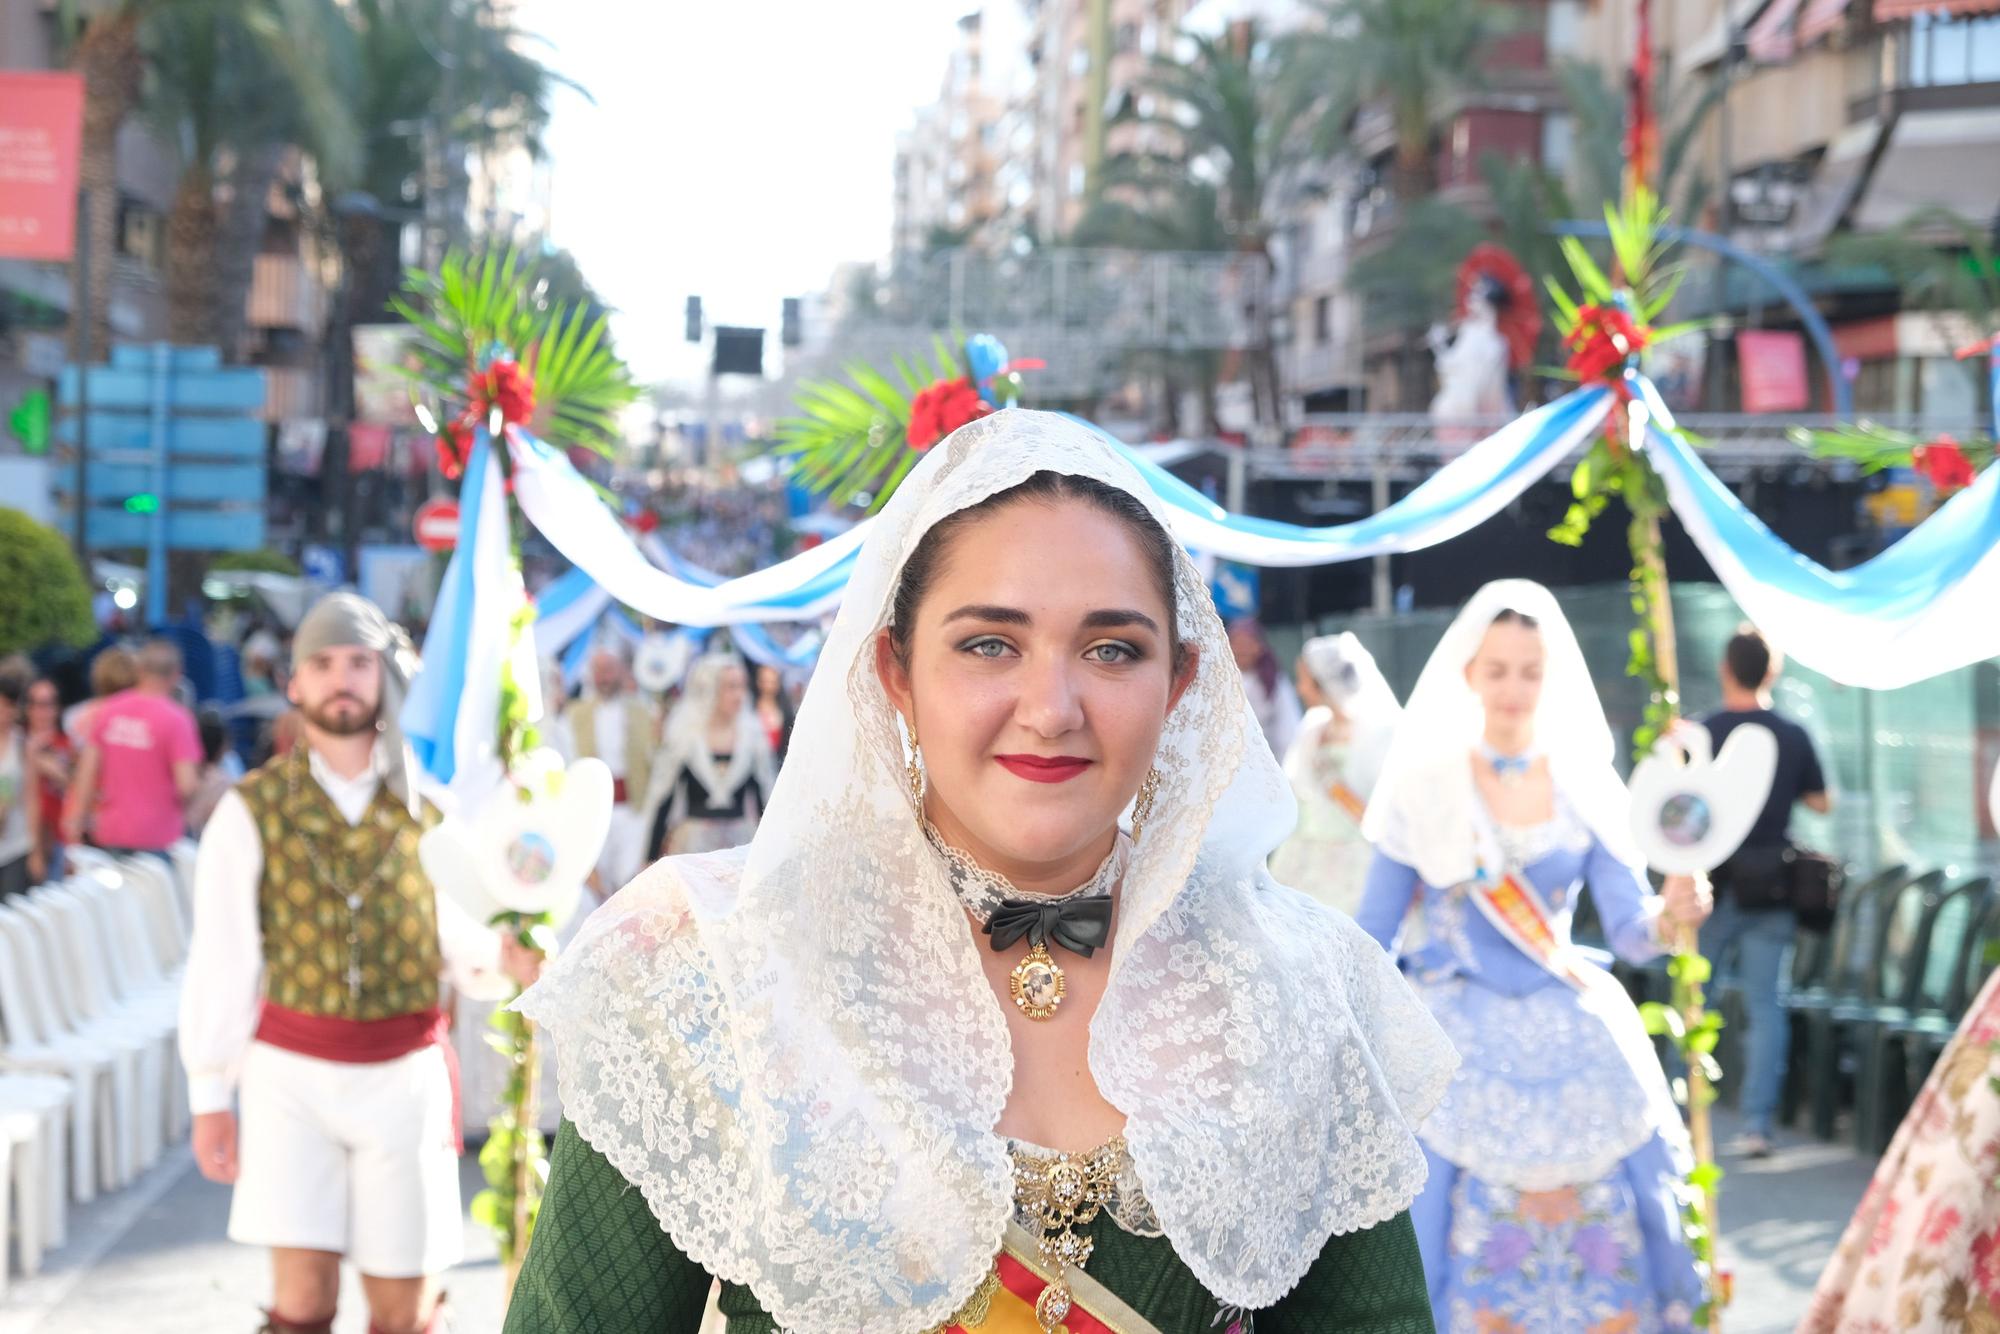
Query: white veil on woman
{"points": [[1346, 673], [792, 1050], [1421, 813], [685, 746]]}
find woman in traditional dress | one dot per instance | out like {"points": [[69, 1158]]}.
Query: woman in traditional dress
{"points": [[1557, 1152], [946, 1048], [1923, 1250], [714, 773], [1333, 761]]}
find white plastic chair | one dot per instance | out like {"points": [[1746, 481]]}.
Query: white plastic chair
{"points": [[32, 1113], [146, 995], [65, 1039], [103, 1080], [151, 884], [73, 932]]}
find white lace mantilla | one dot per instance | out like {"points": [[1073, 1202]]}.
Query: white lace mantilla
{"points": [[1554, 1088], [793, 1052]]}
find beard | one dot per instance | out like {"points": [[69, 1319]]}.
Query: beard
{"points": [[333, 719]]}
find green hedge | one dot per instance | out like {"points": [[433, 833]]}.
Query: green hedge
{"points": [[44, 598]]}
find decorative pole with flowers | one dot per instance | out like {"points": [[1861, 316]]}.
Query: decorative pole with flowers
{"points": [[855, 443], [496, 364], [1603, 333]]}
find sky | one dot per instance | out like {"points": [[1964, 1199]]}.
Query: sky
{"points": [[731, 149]]}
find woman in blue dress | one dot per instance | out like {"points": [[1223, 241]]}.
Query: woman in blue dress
{"points": [[1553, 1202]]}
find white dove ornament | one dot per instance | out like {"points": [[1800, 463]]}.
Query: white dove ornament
{"points": [[660, 662], [527, 855], [1692, 808]]}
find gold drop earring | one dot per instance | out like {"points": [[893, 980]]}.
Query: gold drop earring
{"points": [[1142, 805], [913, 770]]}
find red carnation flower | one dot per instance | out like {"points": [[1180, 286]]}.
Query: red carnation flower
{"points": [[1602, 341], [1943, 463], [506, 386], [941, 408]]}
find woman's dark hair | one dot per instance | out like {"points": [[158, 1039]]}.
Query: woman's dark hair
{"points": [[920, 571], [214, 734], [1521, 618]]}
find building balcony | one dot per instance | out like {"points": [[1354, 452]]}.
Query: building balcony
{"points": [[285, 294]]}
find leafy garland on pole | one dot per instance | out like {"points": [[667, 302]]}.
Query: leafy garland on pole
{"points": [[1603, 332], [493, 359], [854, 443]]}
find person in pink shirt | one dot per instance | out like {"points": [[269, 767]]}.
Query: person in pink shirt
{"points": [[141, 762]]}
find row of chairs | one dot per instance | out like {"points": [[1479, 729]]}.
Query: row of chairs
{"points": [[90, 1092], [1874, 1001]]}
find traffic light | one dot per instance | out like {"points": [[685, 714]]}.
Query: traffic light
{"points": [[694, 319], [143, 503], [790, 334]]}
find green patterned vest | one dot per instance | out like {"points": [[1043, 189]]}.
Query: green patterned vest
{"points": [[349, 919]]}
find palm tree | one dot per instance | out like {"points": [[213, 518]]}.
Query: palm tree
{"points": [[1413, 56], [103, 37], [1412, 280], [235, 83], [1212, 147]]}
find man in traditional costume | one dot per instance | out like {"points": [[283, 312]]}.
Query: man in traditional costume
{"points": [[312, 996], [613, 722]]}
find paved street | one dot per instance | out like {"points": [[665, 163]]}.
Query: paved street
{"points": [[154, 1258]]}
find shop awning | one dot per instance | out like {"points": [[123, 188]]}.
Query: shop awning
{"points": [[1820, 18], [1770, 40], [1713, 44], [1888, 11], [1935, 159]]}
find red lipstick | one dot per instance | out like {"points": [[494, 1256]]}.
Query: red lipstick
{"points": [[1043, 768]]}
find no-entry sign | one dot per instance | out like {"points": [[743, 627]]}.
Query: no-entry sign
{"points": [[437, 524]]}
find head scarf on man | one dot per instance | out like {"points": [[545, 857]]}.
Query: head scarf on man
{"points": [[348, 620]]}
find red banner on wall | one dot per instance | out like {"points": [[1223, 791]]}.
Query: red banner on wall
{"points": [[41, 133], [1773, 367]]}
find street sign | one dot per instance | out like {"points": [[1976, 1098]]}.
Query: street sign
{"points": [[173, 455], [437, 524], [323, 565]]}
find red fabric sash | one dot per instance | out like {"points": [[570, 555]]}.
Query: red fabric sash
{"points": [[618, 792], [365, 1042]]}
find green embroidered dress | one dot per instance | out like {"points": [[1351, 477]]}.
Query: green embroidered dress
{"points": [[601, 1265]]}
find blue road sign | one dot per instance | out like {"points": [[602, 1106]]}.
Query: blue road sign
{"points": [[175, 455]]}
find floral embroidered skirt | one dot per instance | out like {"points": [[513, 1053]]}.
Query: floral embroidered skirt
{"points": [[1555, 1157], [1923, 1250]]}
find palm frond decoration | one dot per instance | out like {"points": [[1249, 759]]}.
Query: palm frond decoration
{"points": [[485, 342], [855, 442]]}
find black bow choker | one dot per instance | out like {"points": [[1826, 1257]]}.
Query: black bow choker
{"points": [[1079, 921]]}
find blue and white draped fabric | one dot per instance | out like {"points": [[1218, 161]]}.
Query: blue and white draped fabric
{"points": [[565, 610], [1913, 612], [1461, 495], [1919, 609], [451, 712]]}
